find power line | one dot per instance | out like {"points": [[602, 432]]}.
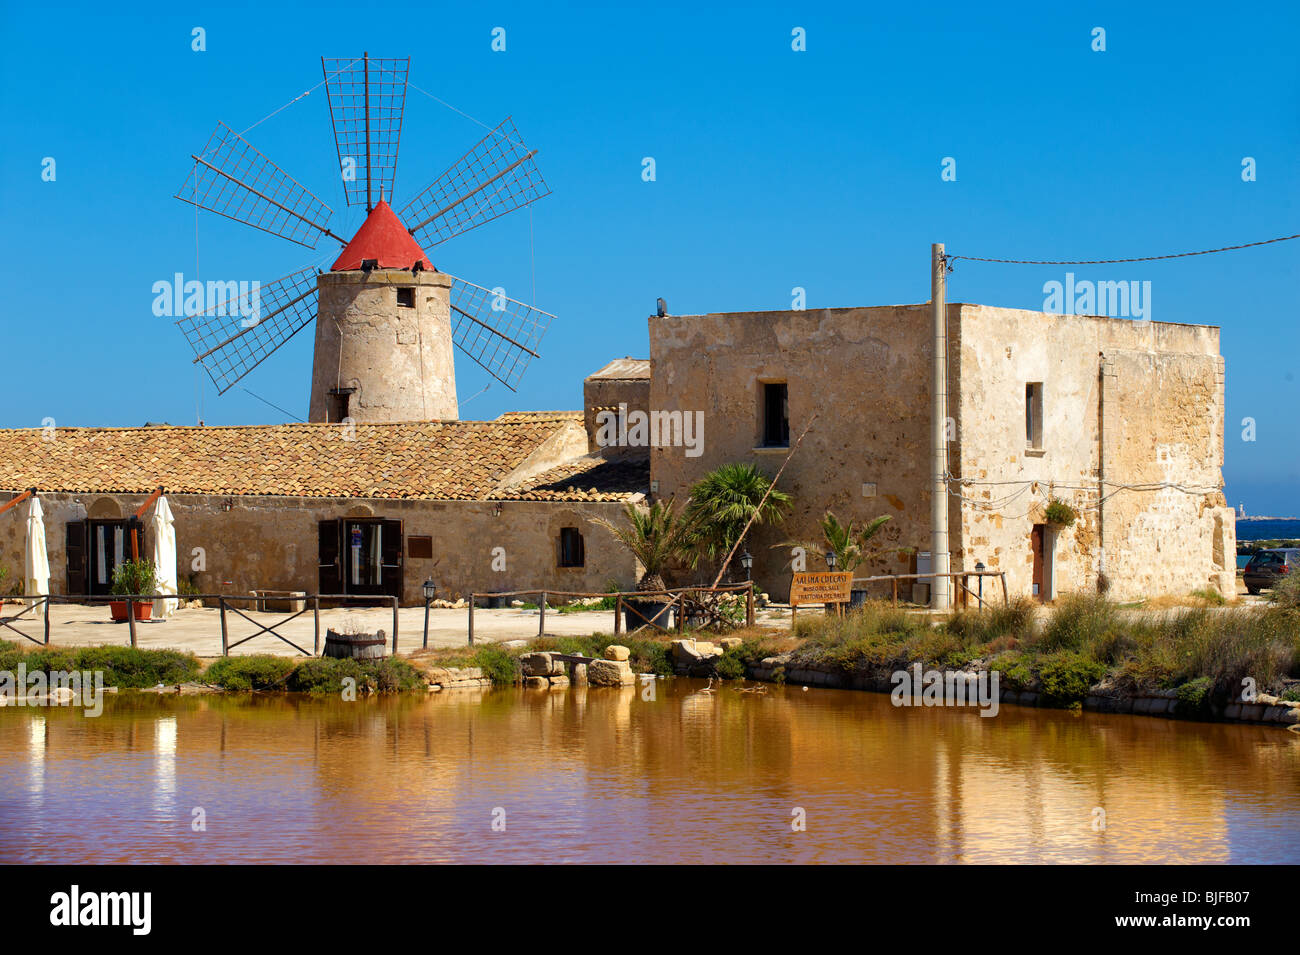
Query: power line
{"points": [[1143, 258], [275, 406]]}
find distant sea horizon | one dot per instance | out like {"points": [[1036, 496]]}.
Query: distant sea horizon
{"points": [[1267, 528]]}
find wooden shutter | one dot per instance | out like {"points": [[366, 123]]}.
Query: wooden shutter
{"points": [[74, 549], [390, 558], [331, 575]]}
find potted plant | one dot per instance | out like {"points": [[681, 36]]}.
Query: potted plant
{"points": [[1059, 513], [132, 577], [655, 536]]}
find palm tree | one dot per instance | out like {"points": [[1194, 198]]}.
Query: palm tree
{"points": [[655, 536], [724, 500], [848, 544]]}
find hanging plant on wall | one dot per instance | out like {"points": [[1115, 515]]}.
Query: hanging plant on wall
{"points": [[1060, 513]]}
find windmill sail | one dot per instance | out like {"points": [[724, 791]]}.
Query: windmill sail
{"points": [[495, 177], [497, 332], [367, 96], [234, 337], [232, 178]]}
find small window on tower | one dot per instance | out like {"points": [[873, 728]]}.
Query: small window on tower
{"points": [[406, 297]]}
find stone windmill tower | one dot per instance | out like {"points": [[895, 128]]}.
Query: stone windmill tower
{"points": [[387, 319]]}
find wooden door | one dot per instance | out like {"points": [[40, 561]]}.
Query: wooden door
{"points": [[74, 549], [327, 551], [1036, 542]]}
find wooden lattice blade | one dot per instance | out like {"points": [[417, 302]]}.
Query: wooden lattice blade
{"points": [[367, 97], [232, 178], [497, 332], [232, 338], [497, 176]]}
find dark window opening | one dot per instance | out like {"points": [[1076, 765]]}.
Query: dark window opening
{"points": [[342, 399], [1034, 415], [420, 548], [776, 415], [571, 549], [406, 297]]}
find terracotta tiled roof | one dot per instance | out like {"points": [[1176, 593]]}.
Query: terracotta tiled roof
{"points": [[590, 478], [437, 460]]}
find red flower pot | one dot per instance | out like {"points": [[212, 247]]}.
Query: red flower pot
{"points": [[143, 608]]}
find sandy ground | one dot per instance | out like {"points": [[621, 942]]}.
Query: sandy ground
{"points": [[199, 629]]}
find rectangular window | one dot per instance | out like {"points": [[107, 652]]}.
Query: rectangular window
{"points": [[1034, 415], [571, 550], [406, 297], [775, 414], [420, 548]]}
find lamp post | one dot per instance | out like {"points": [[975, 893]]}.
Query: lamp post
{"points": [[830, 562], [429, 591], [979, 569], [747, 562]]}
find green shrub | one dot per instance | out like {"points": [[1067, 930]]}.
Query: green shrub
{"points": [[325, 675], [134, 577], [498, 664], [730, 666], [1194, 695], [1060, 513], [1291, 693], [122, 666], [1287, 593], [261, 672], [1066, 676], [1083, 622], [1211, 597], [995, 621]]}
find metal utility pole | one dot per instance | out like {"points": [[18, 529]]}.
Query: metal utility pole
{"points": [[940, 587]]}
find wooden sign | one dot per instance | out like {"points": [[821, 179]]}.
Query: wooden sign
{"points": [[825, 588]]}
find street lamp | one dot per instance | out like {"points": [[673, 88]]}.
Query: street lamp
{"points": [[747, 562], [830, 559], [979, 569], [430, 590]]}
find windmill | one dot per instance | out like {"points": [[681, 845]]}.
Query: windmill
{"points": [[387, 320]]}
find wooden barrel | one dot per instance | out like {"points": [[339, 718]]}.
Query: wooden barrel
{"points": [[356, 646]]}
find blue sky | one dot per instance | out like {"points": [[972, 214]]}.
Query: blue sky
{"points": [[775, 169]]}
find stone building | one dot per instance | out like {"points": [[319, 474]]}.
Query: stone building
{"points": [[1121, 420], [364, 510]]}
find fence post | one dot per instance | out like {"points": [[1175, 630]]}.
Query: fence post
{"points": [[47, 620], [471, 620], [225, 647], [681, 612], [315, 612], [618, 615], [1006, 601], [749, 606], [541, 618], [895, 583], [394, 626], [130, 618]]}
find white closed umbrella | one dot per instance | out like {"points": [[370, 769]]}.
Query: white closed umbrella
{"points": [[36, 562], [164, 557]]}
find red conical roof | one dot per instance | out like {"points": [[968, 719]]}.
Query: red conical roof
{"points": [[383, 237]]}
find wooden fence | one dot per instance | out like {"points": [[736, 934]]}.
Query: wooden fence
{"points": [[683, 601]]}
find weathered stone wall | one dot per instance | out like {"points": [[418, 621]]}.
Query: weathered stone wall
{"points": [[399, 359], [599, 394], [864, 371], [271, 542], [1160, 405]]}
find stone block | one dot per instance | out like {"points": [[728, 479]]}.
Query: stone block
{"points": [[616, 652], [536, 682], [537, 664], [610, 673], [579, 676], [730, 643]]}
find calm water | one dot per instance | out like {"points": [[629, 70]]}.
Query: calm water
{"points": [[601, 775], [1267, 530]]}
